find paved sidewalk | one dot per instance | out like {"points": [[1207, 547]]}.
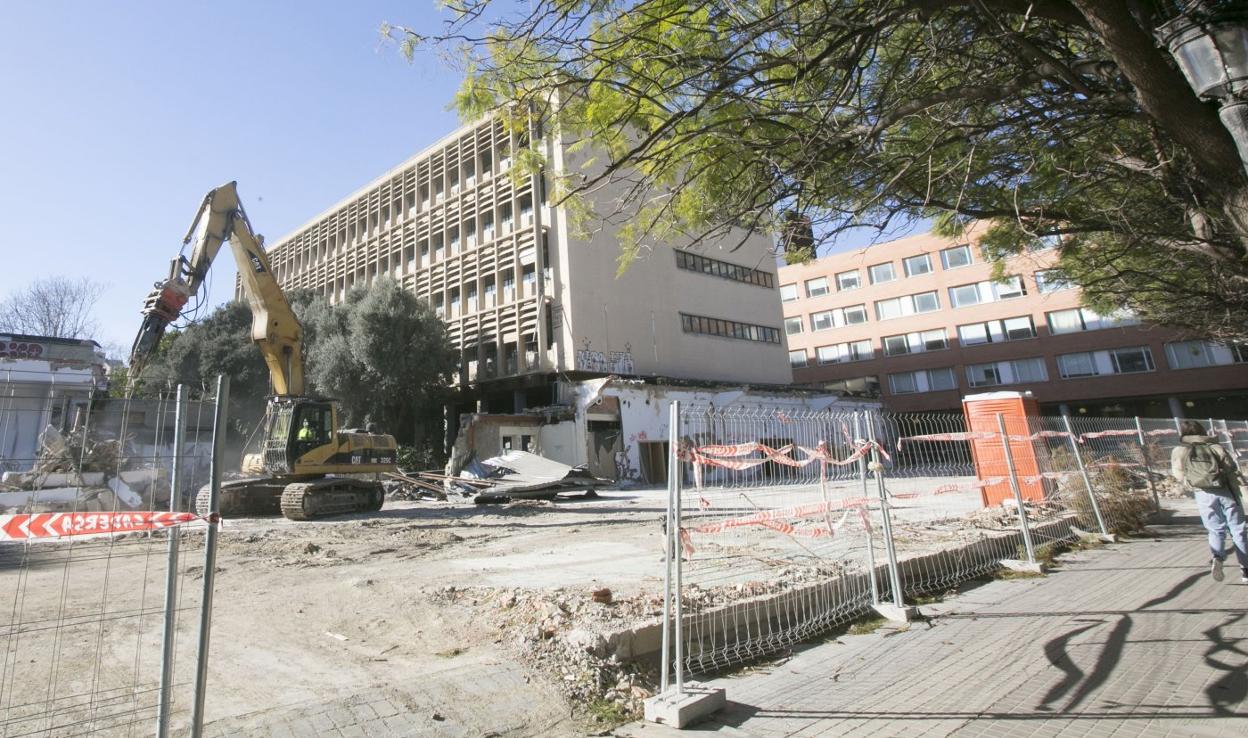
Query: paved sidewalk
{"points": [[1132, 640]]}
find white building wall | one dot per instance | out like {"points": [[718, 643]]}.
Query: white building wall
{"points": [[645, 410], [631, 321]]}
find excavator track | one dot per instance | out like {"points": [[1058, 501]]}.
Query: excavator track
{"points": [[244, 498], [331, 496]]}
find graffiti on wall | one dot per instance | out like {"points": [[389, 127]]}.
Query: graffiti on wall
{"points": [[607, 362]]}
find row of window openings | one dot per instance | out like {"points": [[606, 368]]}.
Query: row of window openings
{"points": [[972, 334], [475, 367], [464, 174], [914, 266], [951, 258], [923, 302], [1133, 360], [488, 292], [703, 325], [449, 241], [723, 269], [376, 222]]}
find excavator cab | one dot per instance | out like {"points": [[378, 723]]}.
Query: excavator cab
{"points": [[293, 430], [314, 427]]}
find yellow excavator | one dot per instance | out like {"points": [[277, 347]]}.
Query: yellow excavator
{"points": [[303, 454]]}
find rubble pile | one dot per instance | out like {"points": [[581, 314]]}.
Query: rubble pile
{"points": [[80, 471], [408, 487], [77, 451], [564, 634]]}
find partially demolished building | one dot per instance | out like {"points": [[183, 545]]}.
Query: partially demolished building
{"points": [[44, 381], [529, 302], [617, 428]]}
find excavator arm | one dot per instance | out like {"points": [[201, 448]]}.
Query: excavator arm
{"points": [[274, 328]]}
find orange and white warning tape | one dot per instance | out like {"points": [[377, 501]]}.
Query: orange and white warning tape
{"points": [[51, 526], [729, 456], [1107, 433], [779, 514], [962, 436]]}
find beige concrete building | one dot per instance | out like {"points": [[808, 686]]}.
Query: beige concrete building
{"points": [[921, 322], [525, 299]]}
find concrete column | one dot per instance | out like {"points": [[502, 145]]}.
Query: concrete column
{"points": [[1176, 407]]}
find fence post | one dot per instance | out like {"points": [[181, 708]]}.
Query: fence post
{"points": [[1087, 481], [210, 554], [680, 615], [164, 705], [862, 474], [1148, 464], [673, 443], [894, 572], [1018, 495]]}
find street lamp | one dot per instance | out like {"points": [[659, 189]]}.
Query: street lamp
{"points": [[1209, 40]]}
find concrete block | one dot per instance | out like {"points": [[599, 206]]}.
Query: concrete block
{"points": [[678, 711], [1023, 566], [896, 614], [1102, 537]]}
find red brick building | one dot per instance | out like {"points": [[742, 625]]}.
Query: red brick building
{"points": [[921, 321]]}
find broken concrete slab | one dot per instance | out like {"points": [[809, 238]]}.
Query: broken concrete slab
{"points": [[522, 475]]}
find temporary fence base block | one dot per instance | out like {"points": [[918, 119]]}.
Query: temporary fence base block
{"points": [[1023, 566], [679, 710], [896, 614], [1102, 537]]}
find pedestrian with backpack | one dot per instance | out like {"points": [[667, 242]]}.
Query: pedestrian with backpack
{"points": [[1201, 464]]}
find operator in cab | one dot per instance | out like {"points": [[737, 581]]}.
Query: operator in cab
{"points": [[305, 433]]}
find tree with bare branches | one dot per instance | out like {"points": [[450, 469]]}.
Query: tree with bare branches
{"points": [[59, 307], [1049, 118]]}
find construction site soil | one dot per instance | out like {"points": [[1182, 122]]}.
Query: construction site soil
{"points": [[479, 620]]}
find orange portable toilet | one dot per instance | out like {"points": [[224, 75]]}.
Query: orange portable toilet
{"points": [[1019, 409]]}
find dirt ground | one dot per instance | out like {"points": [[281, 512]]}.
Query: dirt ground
{"points": [[430, 608], [394, 602], [462, 619]]}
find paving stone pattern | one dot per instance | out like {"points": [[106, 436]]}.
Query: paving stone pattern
{"points": [[429, 706], [1132, 640]]}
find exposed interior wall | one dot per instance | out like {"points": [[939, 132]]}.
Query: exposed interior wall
{"points": [[644, 415], [558, 442]]}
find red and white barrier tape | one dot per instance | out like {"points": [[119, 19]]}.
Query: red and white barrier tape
{"points": [[50, 526], [968, 436], [729, 456], [686, 537], [1106, 434], [768, 516], [1042, 434]]}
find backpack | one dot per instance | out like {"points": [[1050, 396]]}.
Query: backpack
{"points": [[1203, 468]]}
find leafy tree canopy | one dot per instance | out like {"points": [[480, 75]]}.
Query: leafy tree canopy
{"points": [[383, 353], [1045, 117]]}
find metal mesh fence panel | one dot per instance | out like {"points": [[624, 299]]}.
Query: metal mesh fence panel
{"points": [[776, 535], [790, 520], [83, 614], [953, 488]]}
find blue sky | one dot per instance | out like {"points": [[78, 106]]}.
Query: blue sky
{"points": [[119, 116]]}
